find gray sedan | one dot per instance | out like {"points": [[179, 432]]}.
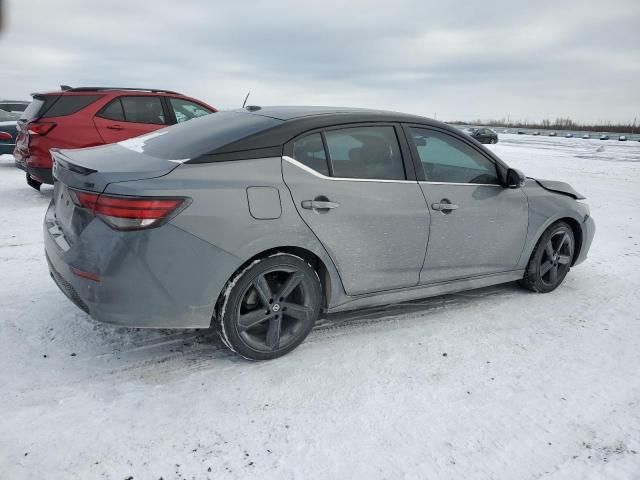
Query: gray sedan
{"points": [[258, 221]]}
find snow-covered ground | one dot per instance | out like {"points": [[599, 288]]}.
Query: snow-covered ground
{"points": [[497, 383]]}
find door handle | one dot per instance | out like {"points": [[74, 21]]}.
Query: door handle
{"points": [[114, 127], [319, 204], [444, 206]]}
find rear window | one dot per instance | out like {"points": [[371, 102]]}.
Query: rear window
{"points": [[69, 104], [34, 108], [46, 106], [188, 140]]}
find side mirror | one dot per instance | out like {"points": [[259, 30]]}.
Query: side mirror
{"points": [[515, 178]]}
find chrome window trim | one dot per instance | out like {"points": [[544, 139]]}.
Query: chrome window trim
{"points": [[455, 183], [310, 170]]}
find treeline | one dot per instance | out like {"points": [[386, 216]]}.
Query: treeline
{"points": [[557, 124]]}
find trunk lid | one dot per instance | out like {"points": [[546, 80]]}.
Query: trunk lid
{"points": [[92, 169]]}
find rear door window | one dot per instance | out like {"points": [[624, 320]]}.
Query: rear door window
{"points": [[365, 152], [113, 111], [309, 150], [185, 110], [143, 109]]}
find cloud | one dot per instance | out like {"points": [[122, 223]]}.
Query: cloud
{"points": [[461, 61]]}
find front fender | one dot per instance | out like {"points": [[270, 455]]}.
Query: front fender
{"points": [[546, 208]]}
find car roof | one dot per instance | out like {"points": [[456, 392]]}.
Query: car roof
{"points": [[292, 112], [260, 132], [288, 122]]}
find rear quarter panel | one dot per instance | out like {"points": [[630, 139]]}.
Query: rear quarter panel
{"points": [[220, 213]]}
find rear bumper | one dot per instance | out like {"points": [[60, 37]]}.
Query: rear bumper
{"points": [[157, 278], [43, 175], [37, 164], [20, 159], [66, 287], [588, 232]]}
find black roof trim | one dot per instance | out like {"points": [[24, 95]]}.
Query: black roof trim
{"points": [[263, 152]]}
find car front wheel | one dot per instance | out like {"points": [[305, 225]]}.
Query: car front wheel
{"points": [[551, 259], [270, 307]]}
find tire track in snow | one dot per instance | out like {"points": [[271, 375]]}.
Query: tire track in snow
{"points": [[199, 350]]}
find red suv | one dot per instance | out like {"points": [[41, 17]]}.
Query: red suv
{"points": [[89, 116]]}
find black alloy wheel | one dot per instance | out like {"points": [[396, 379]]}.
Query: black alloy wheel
{"points": [[271, 308], [551, 259]]}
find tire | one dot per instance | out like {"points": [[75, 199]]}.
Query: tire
{"points": [[551, 259], [270, 307], [33, 183], [493, 141]]}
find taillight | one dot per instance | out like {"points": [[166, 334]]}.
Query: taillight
{"points": [[40, 128], [129, 213], [5, 137]]}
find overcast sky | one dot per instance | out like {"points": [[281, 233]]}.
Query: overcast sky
{"points": [[452, 59]]}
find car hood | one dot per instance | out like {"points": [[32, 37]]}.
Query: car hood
{"points": [[559, 187]]}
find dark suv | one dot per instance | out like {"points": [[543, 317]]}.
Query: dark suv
{"points": [[90, 116]]}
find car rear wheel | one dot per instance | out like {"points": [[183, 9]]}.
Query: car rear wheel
{"points": [[551, 259], [33, 182], [270, 307]]}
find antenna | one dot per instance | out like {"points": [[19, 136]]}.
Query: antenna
{"points": [[246, 98]]}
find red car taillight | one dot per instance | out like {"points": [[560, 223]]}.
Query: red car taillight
{"points": [[40, 128], [129, 213]]}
